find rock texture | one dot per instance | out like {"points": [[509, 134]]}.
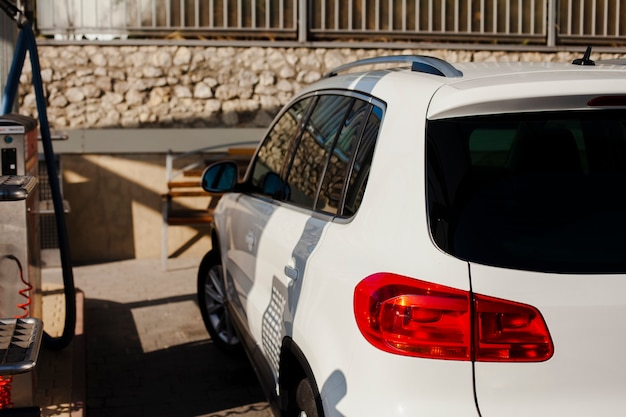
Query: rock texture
{"points": [[192, 86]]}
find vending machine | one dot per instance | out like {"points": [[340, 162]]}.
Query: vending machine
{"points": [[20, 273]]}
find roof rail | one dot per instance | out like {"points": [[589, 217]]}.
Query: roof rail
{"points": [[419, 63]]}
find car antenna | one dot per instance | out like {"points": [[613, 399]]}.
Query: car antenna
{"points": [[585, 59]]}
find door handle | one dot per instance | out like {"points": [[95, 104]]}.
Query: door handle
{"points": [[291, 272]]}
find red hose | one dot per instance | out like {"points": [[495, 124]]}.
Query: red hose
{"points": [[5, 381]]}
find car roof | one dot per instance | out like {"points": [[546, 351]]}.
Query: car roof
{"points": [[460, 89]]}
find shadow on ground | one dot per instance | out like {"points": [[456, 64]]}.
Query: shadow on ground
{"points": [[189, 379]]}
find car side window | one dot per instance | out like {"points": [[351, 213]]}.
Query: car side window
{"points": [[271, 157], [329, 197], [357, 179], [318, 137]]}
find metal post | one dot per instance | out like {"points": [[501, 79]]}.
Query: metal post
{"points": [[551, 23], [8, 36], [303, 20]]}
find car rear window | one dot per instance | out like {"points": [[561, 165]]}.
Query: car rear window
{"points": [[540, 192]]}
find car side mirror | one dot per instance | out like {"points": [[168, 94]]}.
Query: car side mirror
{"points": [[220, 177], [272, 184]]}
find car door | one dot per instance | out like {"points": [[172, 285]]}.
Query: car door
{"points": [[320, 161], [293, 232], [243, 218]]}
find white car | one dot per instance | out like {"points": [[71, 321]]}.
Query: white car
{"points": [[429, 239]]}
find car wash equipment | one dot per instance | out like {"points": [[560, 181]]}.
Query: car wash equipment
{"points": [[26, 42]]}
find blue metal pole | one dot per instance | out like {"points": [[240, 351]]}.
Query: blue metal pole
{"points": [[57, 199]]}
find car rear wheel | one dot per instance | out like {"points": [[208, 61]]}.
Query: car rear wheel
{"points": [[305, 400], [211, 300]]}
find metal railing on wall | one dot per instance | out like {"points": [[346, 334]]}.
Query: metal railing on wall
{"points": [[105, 19], [543, 22]]}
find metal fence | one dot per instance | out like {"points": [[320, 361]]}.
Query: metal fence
{"points": [[547, 22]]}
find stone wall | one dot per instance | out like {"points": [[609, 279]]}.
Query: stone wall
{"points": [[192, 86]]}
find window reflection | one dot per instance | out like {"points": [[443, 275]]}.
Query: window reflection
{"points": [[317, 140], [271, 155]]}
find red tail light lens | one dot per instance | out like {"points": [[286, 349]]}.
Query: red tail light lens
{"points": [[510, 332], [410, 317]]}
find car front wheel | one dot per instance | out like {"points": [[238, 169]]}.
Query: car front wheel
{"points": [[211, 300]]}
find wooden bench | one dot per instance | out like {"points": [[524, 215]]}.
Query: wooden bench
{"points": [[184, 185]]}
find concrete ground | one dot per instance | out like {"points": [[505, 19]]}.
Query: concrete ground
{"points": [[140, 348]]}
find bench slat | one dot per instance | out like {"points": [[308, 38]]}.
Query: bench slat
{"points": [[183, 217], [183, 184]]}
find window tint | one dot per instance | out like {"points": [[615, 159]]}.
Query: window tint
{"points": [[359, 174], [352, 127], [266, 173], [540, 192], [490, 147], [317, 139]]}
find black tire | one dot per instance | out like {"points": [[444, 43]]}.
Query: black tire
{"points": [[211, 300], [306, 400]]}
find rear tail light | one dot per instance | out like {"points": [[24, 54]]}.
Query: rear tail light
{"points": [[507, 331], [410, 317]]}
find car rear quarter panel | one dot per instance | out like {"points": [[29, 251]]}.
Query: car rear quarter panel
{"points": [[388, 234]]}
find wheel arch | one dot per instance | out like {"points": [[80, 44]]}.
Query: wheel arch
{"points": [[215, 240]]}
